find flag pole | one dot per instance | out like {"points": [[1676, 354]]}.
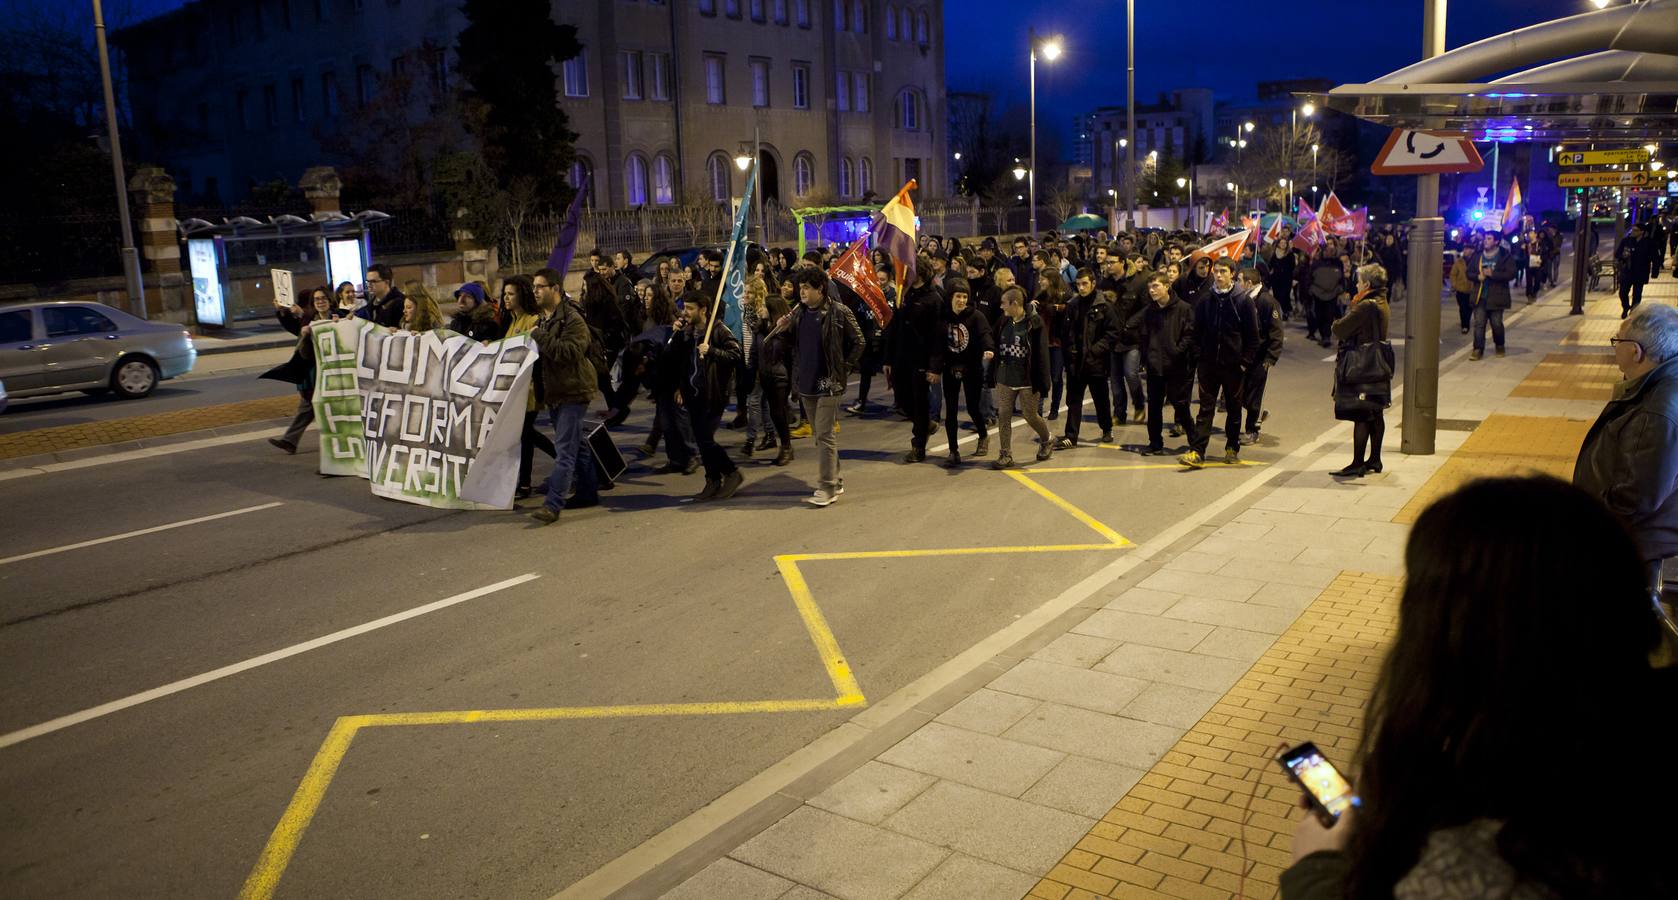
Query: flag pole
{"points": [[728, 259]]}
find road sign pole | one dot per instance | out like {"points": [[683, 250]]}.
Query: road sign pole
{"points": [[1424, 276], [1581, 252]]}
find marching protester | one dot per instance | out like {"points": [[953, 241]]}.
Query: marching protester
{"points": [[1022, 374], [1050, 300], [1226, 332], [754, 294], [1490, 271], [1128, 280], [1163, 330], [1278, 267], [607, 292], [346, 299], [519, 298], [1361, 397], [826, 345], [419, 309], [384, 301], [672, 420], [300, 369], [1325, 285], [969, 349], [1455, 802], [707, 352], [1629, 459], [1533, 241], [915, 348], [1088, 336], [774, 370], [565, 387], [1269, 315], [474, 315]]}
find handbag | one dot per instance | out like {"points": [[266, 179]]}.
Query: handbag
{"points": [[1371, 362]]}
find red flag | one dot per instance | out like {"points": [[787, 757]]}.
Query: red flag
{"points": [[1332, 210], [1225, 248], [853, 270], [1275, 229], [1353, 224], [1310, 236], [1220, 222]]}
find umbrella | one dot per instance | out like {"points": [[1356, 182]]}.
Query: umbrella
{"points": [[1084, 222]]}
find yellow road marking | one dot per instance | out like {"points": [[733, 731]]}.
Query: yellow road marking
{"points": [[300, 811], [1080, 515], [838, 670], [1210, 463]]}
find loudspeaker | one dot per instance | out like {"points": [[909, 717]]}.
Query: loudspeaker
{"points": [[608, 462]]}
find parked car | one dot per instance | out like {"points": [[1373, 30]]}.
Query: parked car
{"points": [[2, 396], [56, 347], [683, 256]]}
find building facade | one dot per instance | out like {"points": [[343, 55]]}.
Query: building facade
{"points": [[845, 97], [1172, 127]]}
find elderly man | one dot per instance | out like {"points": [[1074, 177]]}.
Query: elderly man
{"points": [[1630, 456]]}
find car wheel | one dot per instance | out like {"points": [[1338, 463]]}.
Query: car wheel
{"points": [[134, 378]]}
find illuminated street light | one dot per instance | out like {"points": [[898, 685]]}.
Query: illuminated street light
{"points": [[1182, 181], [1051, 48], [1651, 148], [1243, 144], [958, 156], [743, 161], [1249, 127], [1309, 109], [1229, 185], [1019, 173]]}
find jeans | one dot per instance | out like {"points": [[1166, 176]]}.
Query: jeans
{"points": [[1057, 377], [1127, 382], [1482, 315], [1025, 399], [300, 422], [1097, 386], [954, 386], [529, 440], [1172, 387], [571, 458], [706, 421], [1215, 380], [822, 411], [677, 428], [755, 408]]}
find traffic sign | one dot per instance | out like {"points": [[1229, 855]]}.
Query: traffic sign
{"points": [[1603, 179], [1601, 157], [1410, 152]]}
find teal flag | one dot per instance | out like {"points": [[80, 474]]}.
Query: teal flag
{"points": [[734, 258]]}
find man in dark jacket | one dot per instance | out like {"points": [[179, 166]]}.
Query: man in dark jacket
{"points": [[1636, 259], [827, 344], [474, 316], [1279, 266], [1490, 270], [1325, 287], [1226, 332], [709, 355], [565, 384], [1089, 334], [604, 300], [1129, 277], [1269, 316], [1630, 456], [915, 355], [1163, 330], [384, 300]]}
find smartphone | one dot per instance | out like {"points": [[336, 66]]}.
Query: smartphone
{"points": [[1329, 791]]}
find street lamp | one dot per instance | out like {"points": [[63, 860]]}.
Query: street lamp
{"points": [[1313, 170], [1051, 48], [1190, 182], [1309, 109], [1019, 173], [1232, 187]]}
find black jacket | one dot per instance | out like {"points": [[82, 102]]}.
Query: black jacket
{"points": [[1492, 286], [1125, 305], [967, 337], [1279, 273], [1089, 332], [1165, 335], [386, 312], [842, 343], [1636, 257], [1033, 343], [1325, 280], [707, 382], [603, 306], [1269, 316], [915, 337], [1628, 460], [479, 324], [1226, 327]]}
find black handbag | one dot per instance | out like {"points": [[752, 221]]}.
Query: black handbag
{"points": [[1371, 362]]}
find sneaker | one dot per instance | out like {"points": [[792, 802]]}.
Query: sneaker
{"points": [[854, 409], [915, 455], [984, 447], [953, 461], [712, 485], [1044, 452], [1175, 430], [1250, 438], [784, 457], [839, 488], [1499, 351], [1474, 355], [545, 516], [691, 467], [1065, 442], [821, 498], [1232, 457], [284, 444], [802, 431], [1053, 415], [730, 483], [647, 449], [1192, 460], [1465, 331], [1005, 461], [1106, 437]]}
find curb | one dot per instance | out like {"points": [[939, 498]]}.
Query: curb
{"points": [[258, 344], [41, 462]]}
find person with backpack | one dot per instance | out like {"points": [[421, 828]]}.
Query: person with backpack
{"points": [[565, 384]]}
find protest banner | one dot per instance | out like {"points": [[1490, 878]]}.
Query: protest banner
{"points": [[431, 418]]}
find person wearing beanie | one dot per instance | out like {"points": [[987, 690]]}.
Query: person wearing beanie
{"points": [[969, 348], [473, 315]]}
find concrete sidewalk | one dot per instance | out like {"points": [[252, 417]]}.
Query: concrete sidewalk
{"points": [[1126, 750]]}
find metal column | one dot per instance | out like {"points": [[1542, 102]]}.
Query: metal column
{"points": [[1424, 277]]}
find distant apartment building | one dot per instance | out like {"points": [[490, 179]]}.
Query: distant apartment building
{"points": [[1171, 126], [846, 96]]}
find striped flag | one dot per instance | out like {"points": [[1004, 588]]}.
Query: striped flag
{"points": [[894, 232], [1514, 207]]}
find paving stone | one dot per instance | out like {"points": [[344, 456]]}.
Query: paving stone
{"points": [[981, 760], [805, 892], [1134, 628], [731, 878], [1285, 596], [1143, 600], [1114, 739], [1190, 584], [1190, 561], [1072, 649], [1084, 786], [992, 712], [1248, 616], [963, 877], [1171, 704], [1005, 831], [872, 792], [1234, 643], [1269, 548], [1195, 670], [822, 850], [1100, 691], [1277, 571]]}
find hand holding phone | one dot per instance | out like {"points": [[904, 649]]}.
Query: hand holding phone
{"points": [[1329, 792]]}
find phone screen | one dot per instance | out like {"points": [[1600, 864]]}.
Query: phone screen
{"points": [[1330, 789]]}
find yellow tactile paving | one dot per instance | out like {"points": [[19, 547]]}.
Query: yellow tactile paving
{"points": [[1571, 376], [1179, 832], [1504, 445], [116, 431], [1593, 332]]}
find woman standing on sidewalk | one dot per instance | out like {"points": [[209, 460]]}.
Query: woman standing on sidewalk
{"points": [[1364, 403]]}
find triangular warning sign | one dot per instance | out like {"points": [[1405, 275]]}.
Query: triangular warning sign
{"points": [[1410, 152]]}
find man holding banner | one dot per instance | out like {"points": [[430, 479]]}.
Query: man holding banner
{"points": [[565, 384]]}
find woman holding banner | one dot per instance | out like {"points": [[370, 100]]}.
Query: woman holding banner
{"points": [[520, 300], [300, 369], [419, 309]]}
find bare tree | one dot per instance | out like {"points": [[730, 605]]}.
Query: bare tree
{"points": [[1285, 153], [1064, 200], [700, 214]]}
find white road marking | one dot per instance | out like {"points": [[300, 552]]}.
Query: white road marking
{"points": [[142, 453], [143, 531], [175, 687]]}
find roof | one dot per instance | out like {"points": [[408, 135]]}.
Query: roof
{"points": [[1614, 112]]}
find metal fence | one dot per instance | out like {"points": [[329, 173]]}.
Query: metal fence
{"points": [[55, 248]]}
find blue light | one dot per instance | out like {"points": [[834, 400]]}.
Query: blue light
{"points": [[1479, 214]]}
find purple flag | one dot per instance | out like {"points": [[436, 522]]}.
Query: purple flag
{"points": [[565, 245]]}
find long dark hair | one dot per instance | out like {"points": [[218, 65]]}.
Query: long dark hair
{"points": [[1518, 690], [1052, 284], [524, 295]]}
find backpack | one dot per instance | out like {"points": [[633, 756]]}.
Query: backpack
{"points": [[596, 353]]}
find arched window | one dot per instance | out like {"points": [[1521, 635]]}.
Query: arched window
{"points": [[838, 15], [635, 180], [859, 17], [908, 111], [716, 168], [867, 180], [905, 23], [803, 175], [846, 171], [664, 180], [922, 34], [891, 22], [582, 178]]}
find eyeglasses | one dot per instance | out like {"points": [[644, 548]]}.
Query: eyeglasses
{"points": [[1620, 340], [375, 281]]}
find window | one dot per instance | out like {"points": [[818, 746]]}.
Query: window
{"points": [[716, 169], [582, 177], [631, 74], [908, 112], [860, 81], [364, 84], [635, 181], [664, 180], [800, 85], [757, 10], [760, 82], [68, 320], [859, 17], [732, 8], [803, 174], [839, 14], [803, 7], [661, 75], [707, 7], [780, 12], [716, 92], [842, 92], [576, 74], [905, 28], [15, 327], [866, 170], [921, 32], [891, 23], [329, 94], [845, 173], [297, 99], [241, 108], [911, 170], [270, 105]]}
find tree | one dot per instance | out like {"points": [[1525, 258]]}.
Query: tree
{"points": [[700, 214], [506, 56], [1063, 202], [1278, 153]]}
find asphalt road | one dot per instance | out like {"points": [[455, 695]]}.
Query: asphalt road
{"points": [[648, 600], [217, 378]]}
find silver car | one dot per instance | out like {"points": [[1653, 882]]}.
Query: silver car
{"points": [[51, 348]]}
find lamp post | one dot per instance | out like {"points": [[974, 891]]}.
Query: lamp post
{"points": [[1309, 110], [1190, 182], [130, 255], [1130, 107], [1313, 171], [1051, 48], [1237, 190], [743, 160]]}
